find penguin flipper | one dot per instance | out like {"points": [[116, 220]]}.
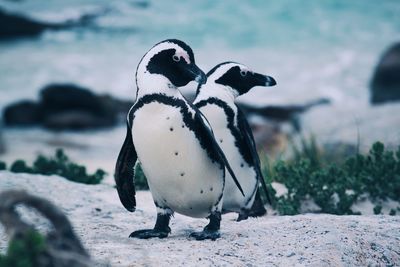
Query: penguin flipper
{"points": [[125, 172], [248, 137], [202, 121]]}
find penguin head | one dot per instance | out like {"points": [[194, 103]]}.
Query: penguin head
{"points": [[170, 61], [237, 77]]}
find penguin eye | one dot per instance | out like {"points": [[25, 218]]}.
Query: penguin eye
{"points": [[243, 72], [176, 58]]}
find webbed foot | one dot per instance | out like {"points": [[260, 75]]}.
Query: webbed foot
{"points": [[211, 231], [161, 229], [206, 234], [149, 233], [242, 216]]}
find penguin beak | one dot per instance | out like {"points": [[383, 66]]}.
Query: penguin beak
{"points": [[196, 74], [263, 80], [269, 81]]}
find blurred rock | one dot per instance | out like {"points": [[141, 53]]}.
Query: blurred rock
{"points": [[75, 120], [385, 84], [17, 25], [2, 144], [23, 113], [68, 106], [61, 245]]}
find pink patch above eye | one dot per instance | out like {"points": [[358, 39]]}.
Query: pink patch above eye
{"points": [[184, 56]]}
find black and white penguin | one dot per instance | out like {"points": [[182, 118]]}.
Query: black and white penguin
{"points": [[184, 166], [216, 100]]}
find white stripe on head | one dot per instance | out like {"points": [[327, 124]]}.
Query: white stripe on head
{"points": [[213, 89], [179, 51], [221, 70], [157, 82]]}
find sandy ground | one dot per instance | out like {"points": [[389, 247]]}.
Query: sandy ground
{"points": [[304, 240]]}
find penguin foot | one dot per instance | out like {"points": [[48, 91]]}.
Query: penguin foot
{"points": [[149, 233], [206, 234], [242, 216], [253, 212], [211, 231], [161, 229]]}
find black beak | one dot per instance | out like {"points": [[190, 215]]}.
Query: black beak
{"points": [[196, 74], [263, 80], [269, 81]]}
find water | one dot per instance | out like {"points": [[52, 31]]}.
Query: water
{"points": [[312, 48]]}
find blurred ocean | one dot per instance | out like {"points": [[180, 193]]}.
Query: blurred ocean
{"points": [[312, 48]]}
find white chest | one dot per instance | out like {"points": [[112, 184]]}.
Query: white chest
{"points": [[179, 172]]}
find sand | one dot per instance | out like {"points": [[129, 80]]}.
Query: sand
{"points": [[303, 240]]}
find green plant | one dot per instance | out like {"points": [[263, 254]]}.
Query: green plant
{"points": [[20, 166], [140, 178], [3, 166], [59, 165], [336, 187], [24, 252], [307, 150]]}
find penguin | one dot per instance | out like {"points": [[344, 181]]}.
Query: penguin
{"points": [[216, 100], [172, 140]]}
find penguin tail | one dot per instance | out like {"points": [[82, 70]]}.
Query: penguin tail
{"points": [[258, 209]]}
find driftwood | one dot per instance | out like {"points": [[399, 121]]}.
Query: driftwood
{"points": [[63, 248]]}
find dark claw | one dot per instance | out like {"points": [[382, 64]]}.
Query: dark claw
{"points": [[206, 234], [242, 216], [149, 233]]}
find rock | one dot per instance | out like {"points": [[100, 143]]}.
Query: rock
{"points": [[2, 144], [385, 83], [17, 25], [61, 245], [22, 113], [57, 98], [68, 106], [75, 120]]}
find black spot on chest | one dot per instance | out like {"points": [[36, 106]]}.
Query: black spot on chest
{"points": [[190, 120]]}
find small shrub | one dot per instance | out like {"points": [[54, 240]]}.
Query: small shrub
{"points": [[140, 178], [25, 252], [20, 166], [336, 187], [3, 166], [377, 209], [59, 165]]}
